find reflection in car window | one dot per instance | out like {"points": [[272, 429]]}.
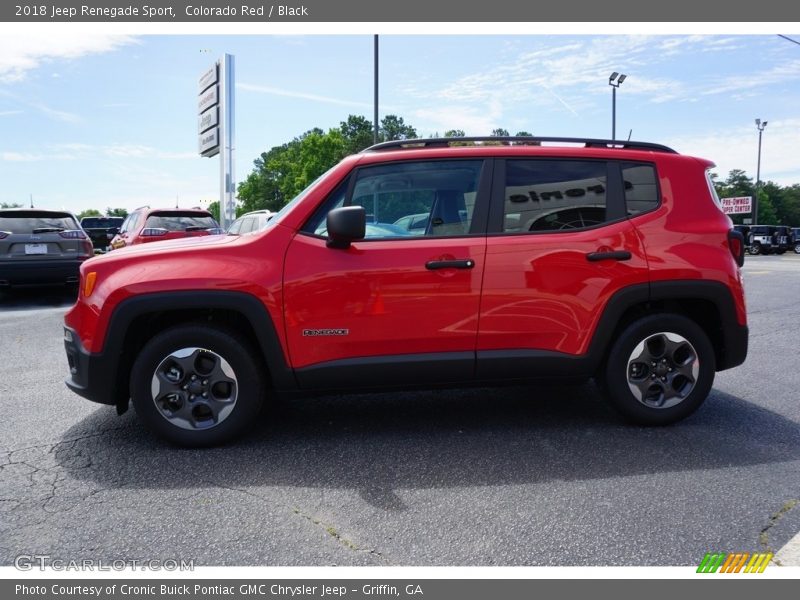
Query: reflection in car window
{"points": [[180, 222], [430, 198], [641, 189], [554, 195]]}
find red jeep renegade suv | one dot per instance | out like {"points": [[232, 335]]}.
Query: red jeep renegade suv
{"points": [[421, 263]]}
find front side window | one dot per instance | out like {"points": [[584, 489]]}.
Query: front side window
{"points": [[410, 199], [552, 195]]}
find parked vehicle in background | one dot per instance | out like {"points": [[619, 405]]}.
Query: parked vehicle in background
{"points": [[101, 230], [157, 224], [760, 240], [796, 239], [577, 259], [781, 239], [744, 230], [41, 247], [250, 222]]}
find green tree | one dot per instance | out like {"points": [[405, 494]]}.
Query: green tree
{"points": [[499, 132], [395, 128], [10, 205], [766, 211], [213, 208], [357, 132], [524, 134], [90, 212], [116, 212], [455, 133]]}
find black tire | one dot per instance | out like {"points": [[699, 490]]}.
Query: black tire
{"points": [[614, 374], [247, 393], [755, 249], [797, 248], [780, 251]]}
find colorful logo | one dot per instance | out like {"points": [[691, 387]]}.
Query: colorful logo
{"points": [[735, 562]]}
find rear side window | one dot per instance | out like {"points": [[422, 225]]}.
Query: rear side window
{"points": [[553, 195], [180, 221], [641, 187], [36, 222]]}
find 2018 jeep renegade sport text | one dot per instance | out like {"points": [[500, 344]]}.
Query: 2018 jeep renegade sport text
{"points": [[423, 263]]}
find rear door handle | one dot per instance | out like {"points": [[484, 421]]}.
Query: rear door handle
{"points": [[433, 265], [615, 255]]}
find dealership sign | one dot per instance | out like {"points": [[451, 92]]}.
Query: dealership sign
{"points": [[737, 206], [208, 111]]}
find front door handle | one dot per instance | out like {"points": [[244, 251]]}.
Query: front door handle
{"points": [[614, 255], [433, 265]]}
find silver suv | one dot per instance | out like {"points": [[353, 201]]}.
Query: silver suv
{"points": [[41, 247]]}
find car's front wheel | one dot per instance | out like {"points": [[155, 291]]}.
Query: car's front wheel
{"points": [[659, 370], [196, 385]]}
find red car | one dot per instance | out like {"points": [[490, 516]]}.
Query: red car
{"points": [[157, 224], [538, 259]]}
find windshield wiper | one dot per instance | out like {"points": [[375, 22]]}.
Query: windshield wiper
{"points": [[47, 230], [196, 228]]}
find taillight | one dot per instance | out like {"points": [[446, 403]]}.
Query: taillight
{"points": [[73, 234], [154, 232], [736, 245], [4, 234]]}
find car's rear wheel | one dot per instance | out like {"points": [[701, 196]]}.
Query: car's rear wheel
{"points": [[755, 249], [659, 370], [797, 248], [196, 385]]}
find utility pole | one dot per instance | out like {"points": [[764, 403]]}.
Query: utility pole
{"points": [[375, 120], [614, 81], [760, 125]]}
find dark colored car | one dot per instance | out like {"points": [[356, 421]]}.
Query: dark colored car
{"points": [[607, 259], [41, 247], [101, 230], [158, 224], [796, 239]]}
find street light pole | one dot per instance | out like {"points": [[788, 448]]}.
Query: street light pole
{"points": [[375, 123], [760, 125], [614, 81]]}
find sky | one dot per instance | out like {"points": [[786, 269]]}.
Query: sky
{"points": [[95, 121]]}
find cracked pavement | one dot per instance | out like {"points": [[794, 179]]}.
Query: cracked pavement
{"points": [[538, 475]]}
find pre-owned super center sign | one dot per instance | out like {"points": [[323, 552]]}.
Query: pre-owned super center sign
{"points": [[737, 206]]}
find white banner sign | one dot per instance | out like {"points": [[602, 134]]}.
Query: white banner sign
{"points": [[737, 206]]}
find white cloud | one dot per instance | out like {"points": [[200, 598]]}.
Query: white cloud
{"points": [[74, 151], [20, 54], [20, 156], [9, 113], [55, 114], [737, 148], [263, 89]]}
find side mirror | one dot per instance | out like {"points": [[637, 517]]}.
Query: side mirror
{"points": [[345, 225]]}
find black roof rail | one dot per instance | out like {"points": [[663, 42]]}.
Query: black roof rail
{"points": [[517, 140]]}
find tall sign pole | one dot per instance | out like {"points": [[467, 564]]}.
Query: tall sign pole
{"points": [[227, 192], [216, 109]]}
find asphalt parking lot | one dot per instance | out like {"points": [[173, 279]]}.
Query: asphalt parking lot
{"points": [[515, 476]]}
